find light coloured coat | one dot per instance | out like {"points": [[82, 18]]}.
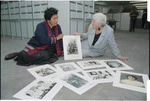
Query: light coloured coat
{"points": [[106, 39]]}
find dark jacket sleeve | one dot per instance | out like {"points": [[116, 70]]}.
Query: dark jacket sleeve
{"points": [[59, 29], [60, 41], [41, 35]]}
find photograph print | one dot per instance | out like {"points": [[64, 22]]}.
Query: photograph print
{"points": [[43, 71], [68, 67], [76, 82], [39, 90], [72, 47], [115, 64], [91, 64], [99, 75], [132, 81]]}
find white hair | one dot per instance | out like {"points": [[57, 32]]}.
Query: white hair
{"points": [[100, 18]]}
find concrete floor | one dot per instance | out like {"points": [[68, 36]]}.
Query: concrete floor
{"points": [[134, 45]]}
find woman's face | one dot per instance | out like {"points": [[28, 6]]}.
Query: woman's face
{"points": [[53, 21], [131, 78], [94, 24]]}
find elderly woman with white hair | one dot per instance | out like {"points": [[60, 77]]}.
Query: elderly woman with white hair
{"points": [[98, 38]]}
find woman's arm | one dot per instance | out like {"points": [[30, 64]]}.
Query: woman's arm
{"points": [[114, 48]]}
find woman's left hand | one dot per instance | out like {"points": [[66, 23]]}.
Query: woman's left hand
{"points": [[124, 58]]}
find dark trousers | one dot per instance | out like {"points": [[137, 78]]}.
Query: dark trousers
{"points": [[46, 56], [132, 25], [143, 23]]}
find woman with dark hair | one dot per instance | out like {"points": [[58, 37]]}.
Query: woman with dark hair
{"points": [[46, 44]]}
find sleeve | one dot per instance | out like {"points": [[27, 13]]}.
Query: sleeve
{"points": [[59, 29], [61, 40], [85, 35], [41, 35], [113, 45]]}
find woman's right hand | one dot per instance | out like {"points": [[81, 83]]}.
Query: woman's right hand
{"points": [[60, 36], [77, 34]]}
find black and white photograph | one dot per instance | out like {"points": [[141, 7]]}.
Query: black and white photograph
{"points": [[43, 71], [90, 64], [132, 81], [99, 75], [67, 67], [72, 47], [115, 64], [39, 90], [76, 82]]}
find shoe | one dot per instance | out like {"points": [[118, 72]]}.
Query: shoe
{"points": [[11, 56]]}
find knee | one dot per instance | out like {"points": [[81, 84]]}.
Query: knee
{"points": [[44, 55], [85, 53]]}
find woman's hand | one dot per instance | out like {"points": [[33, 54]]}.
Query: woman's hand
{"points": [[77, 34], [124, 58], [60, 36]]}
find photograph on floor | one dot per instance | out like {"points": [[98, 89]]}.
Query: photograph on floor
{"points": [[76, 82], [115, 64], [39, 90], [72, 47], [131, 81], [43, 71], [67, 67], [90, 64], [99, 75]]}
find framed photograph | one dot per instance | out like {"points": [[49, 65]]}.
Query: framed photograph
{"points": [[43, 71], [72, 47], [68, 67], [39, 90], [90, 64], [76, 82], [116, 65], [99, 75], [131, 81]]}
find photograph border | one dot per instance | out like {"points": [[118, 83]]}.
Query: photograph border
{"points": [[49, 96], [32, 71], [117, 83], [65, 43], [127, 67], [93, 66], [99, 80], [78, 69], [81, 90]]}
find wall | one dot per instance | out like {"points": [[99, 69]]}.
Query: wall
{"points": [[80, 15], [19, 18], [125, 21]]}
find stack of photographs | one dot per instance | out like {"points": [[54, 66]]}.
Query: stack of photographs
{"points": [[80, 77]]}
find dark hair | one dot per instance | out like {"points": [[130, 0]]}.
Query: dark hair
{"points": [[49, 12]]}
